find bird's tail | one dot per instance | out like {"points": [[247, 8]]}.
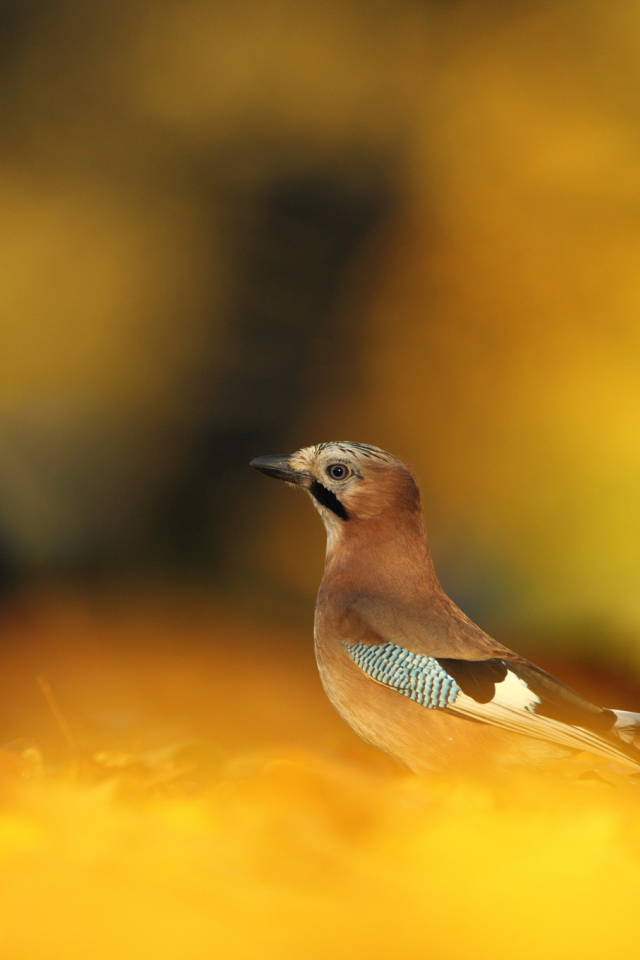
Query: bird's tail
{"points": [[627, 726]]}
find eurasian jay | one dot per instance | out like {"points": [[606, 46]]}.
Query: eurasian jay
{"points": [[400, 661]]}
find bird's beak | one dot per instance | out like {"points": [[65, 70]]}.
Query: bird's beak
{"points": [[280, 468]]}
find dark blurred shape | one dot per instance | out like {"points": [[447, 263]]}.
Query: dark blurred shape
{"points": [[184, 189], [16, 20], [289, 344], [9, 578]]}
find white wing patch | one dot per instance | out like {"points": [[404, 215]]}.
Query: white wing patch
{"points": [[514, 694]]}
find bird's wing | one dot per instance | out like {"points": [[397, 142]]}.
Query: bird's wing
{"points": [[432, 625], [514, 695]]}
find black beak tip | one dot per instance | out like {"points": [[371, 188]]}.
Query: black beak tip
{"points": [[262, 463]]}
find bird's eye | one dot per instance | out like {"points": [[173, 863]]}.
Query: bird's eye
{"points": [[338, 471]]}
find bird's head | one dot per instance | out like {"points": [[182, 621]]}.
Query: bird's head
{"points": [[348, 482]]}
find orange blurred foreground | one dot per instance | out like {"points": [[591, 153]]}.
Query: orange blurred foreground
{"points": [[216, 807]]}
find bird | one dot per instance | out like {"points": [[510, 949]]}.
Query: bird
{"points": [[401, 663]]}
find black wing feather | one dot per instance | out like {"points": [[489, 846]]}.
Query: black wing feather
{"points": [[476, 678]]}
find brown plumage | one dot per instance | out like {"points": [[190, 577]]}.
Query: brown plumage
{"points": [[400, 661]]}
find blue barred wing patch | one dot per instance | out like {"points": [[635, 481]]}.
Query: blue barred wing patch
{"points": [[416, 676]]}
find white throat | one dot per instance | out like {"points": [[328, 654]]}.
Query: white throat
{"points": [[332, 524]]}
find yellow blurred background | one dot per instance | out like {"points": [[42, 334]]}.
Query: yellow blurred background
{"points": [[235, 229]]}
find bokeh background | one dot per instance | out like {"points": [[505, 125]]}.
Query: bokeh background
{"points": [[235, 229], [231, 229]]}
